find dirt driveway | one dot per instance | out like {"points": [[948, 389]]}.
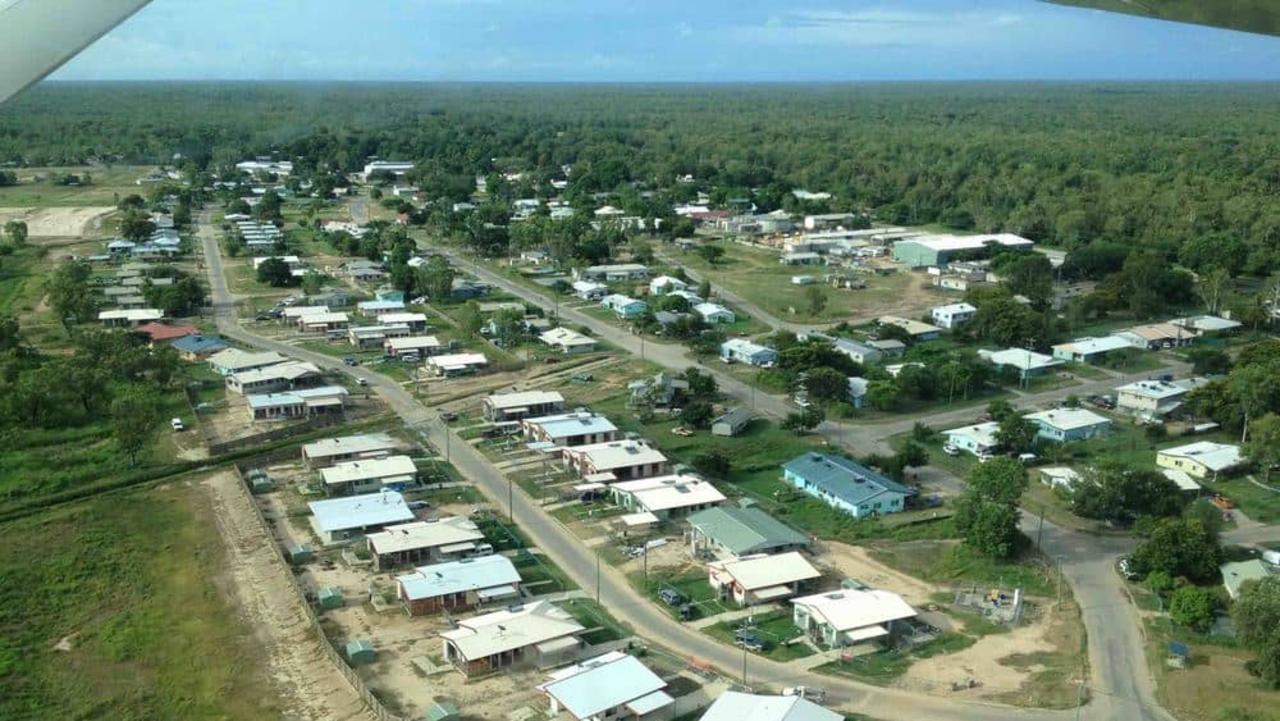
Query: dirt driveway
{"points": [[58, 222]]}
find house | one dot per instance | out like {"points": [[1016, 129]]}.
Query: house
{"points": [[396, 168], [339, 519], [860, 353], [1157, 335], [1182, 480], [849, 617], [732, 422], [888, 348], [1059, 477], [234, 360], [368, 475], [538, 633], [613, 686], [762, 578], [740, 532], [456, 364], [364, 271], [1234, 575], [417, 322], [714, 313], [664, 284], [624, 306], [1204, 460], [371, 336], [292, 261], [616, 460], [738, 706], [954, 315], [979, 439], [164, 333], [443, 539], [804, 258], [300, 403], [411, 345], [826, 221], [659, 391], [666, 496], [938, 250], [580, 428], [1203, 325], [588, 290], [195, 348], [568, 341], [322, 322], [380, 307], [845, 485], [458, 585], [129, 317], [328, 451], [1064, 425], [1028, 364], [1089, 350], [612, 273], [502, 407], [741, 350], [290, 374], [918, 331], [856, 393], [1150, 399], [292, 313]]}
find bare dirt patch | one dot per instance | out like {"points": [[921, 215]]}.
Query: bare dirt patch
{"points": [[855, 562], [310, 686], [59, 222]]}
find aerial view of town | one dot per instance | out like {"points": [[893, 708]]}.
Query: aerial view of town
{"points": [[430, 376]]}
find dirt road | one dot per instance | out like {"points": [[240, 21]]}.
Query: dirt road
{"points": [[310, 687]]}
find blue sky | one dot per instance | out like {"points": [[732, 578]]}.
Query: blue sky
{"points": [[660, 40]]}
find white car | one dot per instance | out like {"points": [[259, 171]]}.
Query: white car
{"points": [[950, 450], [176, 424]]}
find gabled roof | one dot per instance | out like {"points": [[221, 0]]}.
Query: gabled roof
{"points": [[851, 482], [503, 401], [735, 417], [1068, 419], [373, 509], [1214, 456], [617, 454], [235, 359], [737, 706], [468, 574], [164, 331], [424, 534], [848, 609], [565, 425], [1023, 360], [369, 469], [760, 572], [597, 685], [349, 445], [745, 530], [199, 344], [670, 492], [493, 633]]}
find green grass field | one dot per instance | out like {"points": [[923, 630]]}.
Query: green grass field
{"points": [[774, 629], [108, 186], [130, 578], [954, 565]]}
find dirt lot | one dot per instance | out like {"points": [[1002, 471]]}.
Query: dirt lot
{"points": [[310, 685], [59, 222], [855, 562]]}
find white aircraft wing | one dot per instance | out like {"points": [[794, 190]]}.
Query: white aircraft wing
{"points": [[38, 36]]}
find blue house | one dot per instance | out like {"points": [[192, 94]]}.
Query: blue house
{"points": [[845, 485], [198, 347], [1064, 425], [741, 350], [624, 306]]}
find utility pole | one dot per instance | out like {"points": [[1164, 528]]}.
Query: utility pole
{"points": [[1059, 581], [744, 664], [597, 577], [1040, 528], [511, 496]]}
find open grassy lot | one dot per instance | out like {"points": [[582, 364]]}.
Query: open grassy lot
{"points": [[108, 185], [756, 275], [780, 636], [131, 584], [883, 667], [692, 585], [601, 626], [949, 563]]}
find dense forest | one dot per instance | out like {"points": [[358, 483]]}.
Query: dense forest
{"points": [[1188, 171]]}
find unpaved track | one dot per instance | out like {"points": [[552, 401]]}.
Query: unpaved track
{"points": [[310, 688]]}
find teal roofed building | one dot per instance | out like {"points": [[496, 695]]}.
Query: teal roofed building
{"points": [[736, 532], [846, 485]]}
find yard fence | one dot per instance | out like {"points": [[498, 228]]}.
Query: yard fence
{"points": [[278, 434], [375, 705]]}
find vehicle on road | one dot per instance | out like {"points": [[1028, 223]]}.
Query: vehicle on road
{"points": [[816, 695], [448, 416], [362, 382], [176, 424], [351, 360]]}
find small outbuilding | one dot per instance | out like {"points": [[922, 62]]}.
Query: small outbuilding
{"points": [[360, 652], [731, 423], [329, 597]]}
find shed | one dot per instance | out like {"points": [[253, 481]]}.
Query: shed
{"points": [[441, 711], [731, 423], [360, 652], [261, 484], [300, 554], [330, 597]]}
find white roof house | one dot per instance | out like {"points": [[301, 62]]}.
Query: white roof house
{"points": [[1203, 459], [131, 316], [409, 319], [1150, 398], [665, 495], [295, 312], [714, 313], [848, 617], [1087, 350], [337, 519], [501, 405], [487, 578], [738, 706], [540, 626], [289, 260], [330, 450], [272, 377], [234, 360], [978, 439], [1181, 479], [369, 474], [564, 428], [1206, 324], [1059, 476], [425, 344], [378, 307], [430, 540], [664, 284], [455, 363], [568, 340], [953, 315], [762, 578], [918, 330], [615, 685], [1027, 363], [622, 459]]}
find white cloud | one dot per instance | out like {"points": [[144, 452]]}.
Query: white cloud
{"points": [[878, 27]]}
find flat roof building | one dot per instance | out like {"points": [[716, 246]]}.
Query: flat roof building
{"points": [[849, 617], [368, 475], [623, 460], [568, 341], [1204, 460], [938, 250], [579, 428], [738, 706], [502, 407], [1064, 425], [339, 519], [456, 364], [978, 439], [538, 633], [666, 496], [234, 360], [328, 451]]}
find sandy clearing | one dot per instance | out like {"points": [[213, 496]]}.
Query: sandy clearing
{"points": [[310, 686], [856, 562], [981, 662], [59, 222]]}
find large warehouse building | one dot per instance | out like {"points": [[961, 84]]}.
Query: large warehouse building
{"points": [[938, 250]]}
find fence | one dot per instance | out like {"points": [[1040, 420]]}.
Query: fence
{"points": [[330, 653], [279, 434]]}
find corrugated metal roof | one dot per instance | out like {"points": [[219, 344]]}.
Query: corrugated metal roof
{"points": [[849, 481], [745, 530]]}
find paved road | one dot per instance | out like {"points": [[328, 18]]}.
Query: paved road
{"points": [[1120, 684]]}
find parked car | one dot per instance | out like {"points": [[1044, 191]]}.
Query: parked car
{"points": [[748, 639], [351, 360], [448, 416], [950, 450], [176, 424], [1126, 569], [670, 596], [362, 382], [1027, 459]]}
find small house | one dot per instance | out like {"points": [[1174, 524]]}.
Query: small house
{"points": [[734, 532], [1236, 574], [538, 633], [739, 706], [430, 541], [338, 519], [504, 407], [1089, 350], [732, 422], [613, 686], [458, 585], [845, 485], [1204, 460], [579, 428], [714, 313], [761, 579], [616, 460], [978, 439], [456, 364], [954, 315], [741, 350], [1028, 364], [194, 348], [1064, 425], [369, 475], [624, 306], [568, 341], [666, 496], [326, 452], [849, 617]]}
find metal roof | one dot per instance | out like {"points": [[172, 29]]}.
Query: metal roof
{"points": [[493, 633], [738, 706], [362, 443], [425, 534], [745, 530], [765, 572], [597, 685], [373, 509], [468, 574], [842, 478]]}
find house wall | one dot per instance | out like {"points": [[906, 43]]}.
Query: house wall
{"points": [[271, 413], [887, 502], [1191, 467]]}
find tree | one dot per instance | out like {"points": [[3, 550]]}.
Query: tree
{"points": [[135, 417], [1016, 434], [69, 293], [704, 289], [804, 421], [1120, 493], [1213, 288], [1000, 480], [275, 273], [1030, 275], [882, 395], [697, 413], [17, 232], [1209, 361], [435, 279], [136, 227], [1263, 446], [1256, 613], [1180, 547], [702, 385], [713, 464], [816, 298], [312, 283], [987, 512], [1192, 607], [710, 253], [826, 384]]}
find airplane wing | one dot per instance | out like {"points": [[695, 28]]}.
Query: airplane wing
{"points": [[38, 36], [1250, 16]]}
